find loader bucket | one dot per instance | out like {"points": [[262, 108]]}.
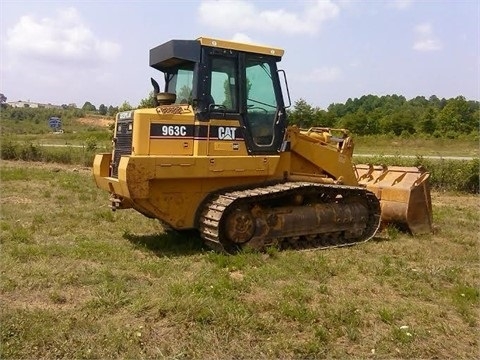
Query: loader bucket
{"points": [[404, 194]]}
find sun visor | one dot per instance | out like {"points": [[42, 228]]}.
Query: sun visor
{"points": [[173, 53]]}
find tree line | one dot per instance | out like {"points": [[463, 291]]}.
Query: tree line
{"points": [[39, 115], [367, 115], [394, 114], [113, 110]]}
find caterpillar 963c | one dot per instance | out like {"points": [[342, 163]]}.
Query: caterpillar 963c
{"points": [[216, 154]]}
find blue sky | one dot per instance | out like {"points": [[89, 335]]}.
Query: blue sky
{"points": [[63, 52]]}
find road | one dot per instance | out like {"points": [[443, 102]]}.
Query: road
{"points": [[68, 146], [435, 157], [62, 145]]}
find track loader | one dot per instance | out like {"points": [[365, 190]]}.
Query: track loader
{"points": [[216, 154]]}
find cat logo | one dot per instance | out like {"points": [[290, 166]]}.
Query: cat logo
{"points": [[226, 133]]}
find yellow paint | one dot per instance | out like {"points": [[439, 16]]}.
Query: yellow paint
{"points": [[168, 176], [253, 48], [222, 146]]}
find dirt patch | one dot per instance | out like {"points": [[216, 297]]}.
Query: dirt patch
{"points": [[14, 200], [458, 200], [55, 167], [96, 121], [66, 298]]}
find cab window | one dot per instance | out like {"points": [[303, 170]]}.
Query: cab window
{"points": [[180, 83], [223, 86], [261, 101]]}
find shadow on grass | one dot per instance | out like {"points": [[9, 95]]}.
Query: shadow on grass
{"points": [[391, 232], [383, 237], [170, 243], [185, 243]]}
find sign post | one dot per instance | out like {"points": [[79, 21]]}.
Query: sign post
{"points": [[55, 123]]}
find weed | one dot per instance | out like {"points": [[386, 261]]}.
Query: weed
{"points": [[106, 215], [272, 251], [297, 311], [298, 292], [392, 232], [238, 262], [37, 221], [91, 143], [321, 335], [466, 299], [21, 235], [57, 298], [402, 335], [7, 285], [347, 315], [388, 316]]}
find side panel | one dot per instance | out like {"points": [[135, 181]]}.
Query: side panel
{"points": [[171, 138], [260, 167], [225, 138], [181, 135], [166, 134], [173, 187]]}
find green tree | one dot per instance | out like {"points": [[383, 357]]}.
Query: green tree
{"points": [[148, 102], [112, 110], [371, 114], [102, 109], [337, 110], [419, 101], [302, 114], [324, 118], [3, 101], [125, 106], [88, 106], [458, 116], [357, 123], [427, 123], [398, 123]]}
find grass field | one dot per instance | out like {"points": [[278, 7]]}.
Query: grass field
{"points": [[78, 281], [416, 146]]}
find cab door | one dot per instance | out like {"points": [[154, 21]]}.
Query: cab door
{"points": [[242, 91], [264, 114]]}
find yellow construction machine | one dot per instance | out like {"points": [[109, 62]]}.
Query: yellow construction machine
{"points": [[216, 154]]}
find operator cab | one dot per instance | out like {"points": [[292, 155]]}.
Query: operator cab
{"points": [[224, 80]]}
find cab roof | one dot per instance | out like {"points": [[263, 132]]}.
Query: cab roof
{"points": [[246, 47], [175, 52]]}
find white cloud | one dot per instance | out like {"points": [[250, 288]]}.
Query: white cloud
{"points": [[63, 38], [323, 74], [401, 4], [243, 38], [244, 15], [50, 59], [425, 39]]}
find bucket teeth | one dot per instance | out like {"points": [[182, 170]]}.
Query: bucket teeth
{"points": [[404, 194]]}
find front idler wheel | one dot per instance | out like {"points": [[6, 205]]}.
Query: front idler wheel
{"points": [[239, 226]]}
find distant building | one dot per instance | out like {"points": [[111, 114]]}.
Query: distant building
{"points": [[30, 104]]}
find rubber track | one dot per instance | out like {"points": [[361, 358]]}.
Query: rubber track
{"points": [[213, 210]]}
